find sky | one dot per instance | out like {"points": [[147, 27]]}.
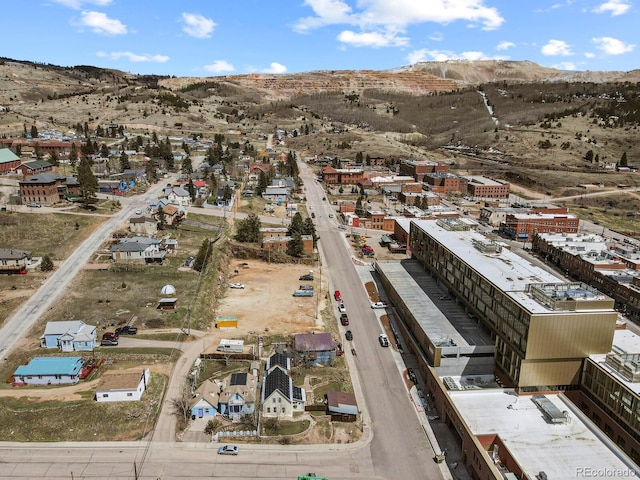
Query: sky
{"points": [[206, 38]]}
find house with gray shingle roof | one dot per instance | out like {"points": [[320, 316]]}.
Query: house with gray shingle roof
{"points": [[139, 250], [69, 336], [13, 260], [178, 196]]}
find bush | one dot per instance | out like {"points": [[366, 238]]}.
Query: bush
{"points": [[47, 264]]}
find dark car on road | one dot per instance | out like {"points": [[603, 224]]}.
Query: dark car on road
{"points": [[344, 319], [348, 335], [126, 330]]}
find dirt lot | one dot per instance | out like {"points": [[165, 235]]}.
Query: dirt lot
{"points": [[267, 301]]}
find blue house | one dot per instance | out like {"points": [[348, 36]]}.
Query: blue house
{"points": [[238, 398], [205, 400], [69, 336], [49, 371]]}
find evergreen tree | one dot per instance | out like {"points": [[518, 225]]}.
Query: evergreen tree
{"points": [[73, 156], [588, 157], [213, 185], [162, 219], [54, 159], [623, 160], [88, 182], [34, 131], [295, 247], [47, 264], [262, 183], [203, 255], [368, 160], [359, 158], [308, 228], [296, 225], [191, 188], [104, 151], [227, 192], [187, 166], [360, 211], [150, 171], [248, 229], [124, 162]]}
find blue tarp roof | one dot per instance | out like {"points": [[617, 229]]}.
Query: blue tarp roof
{"points": [[51, 366]]}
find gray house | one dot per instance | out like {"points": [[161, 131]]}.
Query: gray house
{"points": [[69, 336], [276, 194], [139, 250], [13, 260]]}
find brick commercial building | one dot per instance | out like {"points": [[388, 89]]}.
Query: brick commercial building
{"points": [[419, 168], [444, 183], [523, 226], [48, 188], [487, 188]]}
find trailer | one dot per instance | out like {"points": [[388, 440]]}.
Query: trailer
{"points": [[303, 293], [234, 346]]}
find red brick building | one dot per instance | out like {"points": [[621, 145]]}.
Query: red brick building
{"points": [[522, 226], [8, 160], [443, 183], [281, 244], [34, 167], [342, 176], [484, 187], [419, 168], [48, 188]]}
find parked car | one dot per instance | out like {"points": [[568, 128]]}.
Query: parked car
{"points": [[342, 308], [228, 450], [126, 330], [236, 285], [305, 287], [412, 375], [105, 342], [313, 215], [139, 211], [384, 340], [379, 305], [112, 335], [344, 319], [337, 295], [308, 277], [34, 205], [331, 215], [348, 335]]}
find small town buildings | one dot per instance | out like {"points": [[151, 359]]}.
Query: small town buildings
{"points": [[276, 194], [443, 183], [143, 225], [281, 244], [13, 260], [280, 398], [48, 188], [524, 226], [480, 187], [139, 250], [206, 399], [342, 176], [238, 396], [49, 371], [315, 348], [115, 386], [341, 403], [417, 169], [178, 196], [69, 336], [34, 167], [8, 161]]}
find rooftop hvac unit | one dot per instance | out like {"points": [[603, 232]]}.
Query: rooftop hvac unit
{"points": [[542, 476]]}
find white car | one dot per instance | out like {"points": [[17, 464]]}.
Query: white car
{"points": [[384, 340], [379, 305], [342, 308], [228, 450], [236, 285], [139, 211]]}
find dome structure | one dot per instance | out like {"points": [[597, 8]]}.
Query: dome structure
{"points": [[168, 290]]}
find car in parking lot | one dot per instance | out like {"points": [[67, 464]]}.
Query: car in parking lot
{"points": [[236, 285], [384, 340], [228, 450], [379, 305], [126, 330], [331, 215], [139, 211], [34, 205], [348, 335], [342, 308], [308, 277], [105, 342]]}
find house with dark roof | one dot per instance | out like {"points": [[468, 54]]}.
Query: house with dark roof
{"points": [[69, 336], [238, 397], [139, 250], [34, 167], [278, 360], [13, 260], [341, 403], [280, 398], [315, 348], [49, 371], [48, 188]]}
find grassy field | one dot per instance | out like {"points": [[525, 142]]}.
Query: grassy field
{"points": [[26, 419]]}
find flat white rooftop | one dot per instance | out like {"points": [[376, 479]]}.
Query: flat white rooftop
{"points": [[506, 270], [562, 451], [624, 342]]}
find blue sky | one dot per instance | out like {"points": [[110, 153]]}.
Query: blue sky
{"points": [[226, 37]]}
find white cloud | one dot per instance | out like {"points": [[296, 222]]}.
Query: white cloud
{"points": [[77, 4], [396, 16], [557, 47], [612, 46], [372, 39], [437, 37], [134, 57], [565, 66], [615, 7], [219, 66], [99, 22], [424, 55], [197, 26], [590, 55], [275, 68], [505, 45]]}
